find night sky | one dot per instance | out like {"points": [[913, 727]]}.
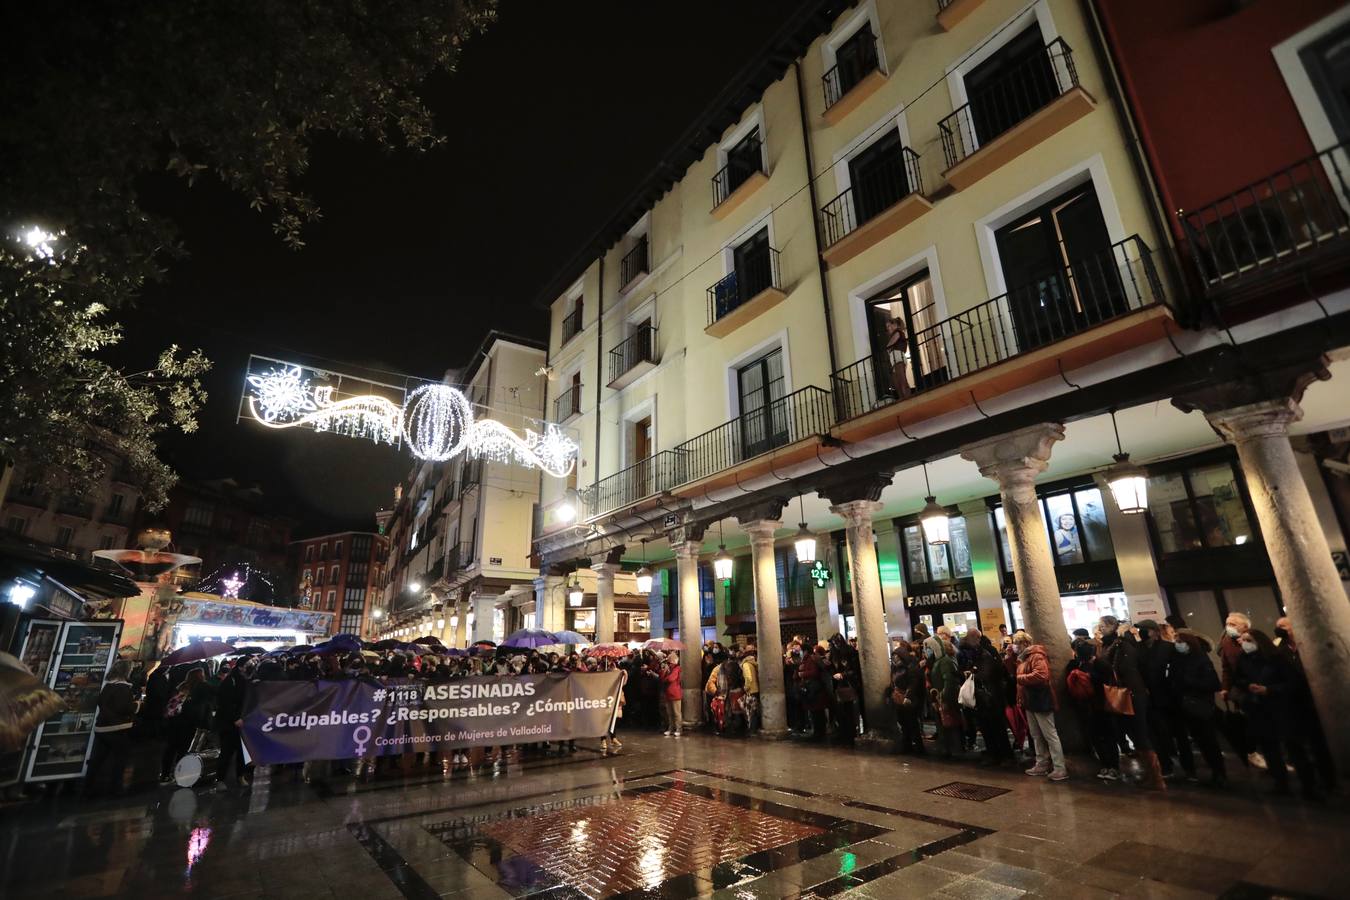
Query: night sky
{"points": [[552, 118]]}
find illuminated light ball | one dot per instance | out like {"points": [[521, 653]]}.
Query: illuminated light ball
{"points": [[437, 421]]}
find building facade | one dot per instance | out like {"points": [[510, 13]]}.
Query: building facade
{"points": [[101, 521], [343, 574], [914, 257], [459, 565]]}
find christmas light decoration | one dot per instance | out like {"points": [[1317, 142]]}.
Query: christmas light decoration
{"points": [[230, 586], [435, 420]]}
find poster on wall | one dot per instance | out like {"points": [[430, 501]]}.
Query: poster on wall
{"points": [[84, 653]]}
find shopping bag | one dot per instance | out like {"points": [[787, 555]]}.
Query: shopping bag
{"points": [[966, 696]]}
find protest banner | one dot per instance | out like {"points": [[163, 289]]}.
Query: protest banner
{"points": [[296, 721]]}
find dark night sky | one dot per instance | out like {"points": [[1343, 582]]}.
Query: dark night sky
{"points": [[552, 118]]}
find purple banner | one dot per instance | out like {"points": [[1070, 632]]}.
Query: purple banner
{"points": [[295, 721]]}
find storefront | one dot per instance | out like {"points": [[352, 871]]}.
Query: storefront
{"points": [[939, 578], [208, 617]]}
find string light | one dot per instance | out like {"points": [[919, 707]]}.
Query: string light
{"points": [[437, 421]]}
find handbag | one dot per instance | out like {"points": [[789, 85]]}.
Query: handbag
{"points": [[950, 716], [966, 696], [1118, 699]]}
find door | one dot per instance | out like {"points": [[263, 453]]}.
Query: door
{"points": [[642, 453], [753, 267], [763, 417], [924, 358], [878, 177], [1010, 85], [1060, 270]]}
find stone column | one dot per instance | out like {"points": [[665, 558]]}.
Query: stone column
{"points": [[549, 602], [688, 544], [605, 567], [869, 610], [768, 633], [1309, 583], [1013, 461], [484, 608]]}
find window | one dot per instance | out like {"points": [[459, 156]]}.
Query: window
{"points": [[1198, 507], [926, 563], [909, 355], [105, 542], [64, 535], [323, 551], [571, 324], [744, 159], [1060, 269], [337, 550], [198, 514], [309, 553], [16, 525], [1076, 527], [307, 575], [854, 60], [794, 579], [115, 505], [761, 384], [318, 577], [877, 176], [333, 575], [1018, 79], [332, 601], [1327, 61]]}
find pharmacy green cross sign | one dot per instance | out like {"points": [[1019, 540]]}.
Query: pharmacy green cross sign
{"points": [[820, 574]]}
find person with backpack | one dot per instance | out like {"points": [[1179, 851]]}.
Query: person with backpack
{"points": [[1036, 695], [1193, 683]]}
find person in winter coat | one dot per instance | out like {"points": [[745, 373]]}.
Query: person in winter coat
{"points": [[188, 709], [672, 693], [944, 682], [813, 680], [1097, 723], [1123, 654], [1155, 657], [112, 732], [991, 699], [750, 672], [906, 697], [1192, 681], [229, 712], [1267, 683], [1036, 695]]}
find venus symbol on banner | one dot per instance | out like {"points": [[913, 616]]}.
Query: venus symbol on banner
{"points": [[436, 421]]}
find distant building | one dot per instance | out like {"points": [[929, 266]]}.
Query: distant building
{"points": [[228, 523], [341, 573], [100, 521]]}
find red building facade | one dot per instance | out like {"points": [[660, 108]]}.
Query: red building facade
{"points": [[341, 573]]}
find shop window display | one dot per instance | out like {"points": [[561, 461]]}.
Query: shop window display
{"points": [[1076, 524], [1197, 508], [1083, 610]]}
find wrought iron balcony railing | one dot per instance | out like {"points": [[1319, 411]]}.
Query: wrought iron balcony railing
{"points": [[638, 348], [458, 558], [849, 70], [884, 186], [1026, 88], [1065, 302], [737, 171], [1295, 219], [634, 263], [567, 404], [799, 415], [754, 273], [470, 474], [571, 325], [651, 476]]}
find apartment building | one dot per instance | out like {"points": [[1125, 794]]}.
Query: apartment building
{"points": [[913, 287], [226, 522], [75, 527], [459, 564], [343, 574]]}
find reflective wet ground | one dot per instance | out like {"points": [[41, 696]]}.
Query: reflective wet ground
{"points": [[699, 816]]}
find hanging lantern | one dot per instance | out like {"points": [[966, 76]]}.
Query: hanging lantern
{"points": [[936, 525], [644, 580], [722, 564], [440, 624], [1129, 485], [805, 544], [574, 592]]}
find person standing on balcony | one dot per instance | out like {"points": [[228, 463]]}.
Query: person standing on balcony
{"points": [[897, 354]]}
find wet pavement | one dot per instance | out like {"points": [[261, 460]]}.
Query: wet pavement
{"points": [[698, 816]]}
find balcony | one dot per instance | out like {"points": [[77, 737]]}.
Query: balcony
{"points": [[567, 404], [470, 474], [803, 414], [627, 487], [753, 287], [458, 558], [1288, 226], [633, 358], [76, 508], [737, 180], [953, 12], [571, 325], [886, 199], [1035, 100], [634, 264], [1091, 309], [852, 80]]}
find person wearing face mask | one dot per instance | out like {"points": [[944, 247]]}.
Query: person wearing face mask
{"points": [[944, 682], [1193, 683], [1036, 695], [1234, 627], [1156, 654], [1124, 653], [1266, 681]]}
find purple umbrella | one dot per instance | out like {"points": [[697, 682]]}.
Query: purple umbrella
{"points": [[529, 638], [197, 650]]}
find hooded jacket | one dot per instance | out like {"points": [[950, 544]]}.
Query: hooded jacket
{"points": [[943, 675], [1033, 671]]}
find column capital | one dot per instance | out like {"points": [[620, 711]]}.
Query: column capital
{"points": [[761, 531], [690, 532], [868, 487], [1267, 418], [857, 513], [1015, 459], [765, 508], [1273, 384], [605, 570], [687, 550]]}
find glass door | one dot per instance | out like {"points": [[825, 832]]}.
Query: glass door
{"points": [[752, 265], [763, 419], [920, 352]]}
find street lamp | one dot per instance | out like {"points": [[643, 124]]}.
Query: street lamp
{"points": [[933, 518], [644, 574], [566, 510], [722, 563], [1128, 482], [574, 591], [415, 586], [806, 541]]}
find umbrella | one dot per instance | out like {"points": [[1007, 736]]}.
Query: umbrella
{"points": [[454, 651], [612, 651], [342, 643], [485, 643], [569, 637], [429, 640], [198, 650], [530, 638], [247, 651], [663, 644], [387, 644], [24, 702]]}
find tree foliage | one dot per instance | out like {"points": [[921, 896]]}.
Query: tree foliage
{"points": [[98, 95]]}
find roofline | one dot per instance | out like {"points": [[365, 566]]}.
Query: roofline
{"points": [[335, 534], [493, 336], [784, 47]]}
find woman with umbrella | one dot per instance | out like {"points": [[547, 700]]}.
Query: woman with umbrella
{"points": [[187, 711]]}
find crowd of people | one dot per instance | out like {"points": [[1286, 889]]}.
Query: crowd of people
{"points": [[1143, 690]]}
